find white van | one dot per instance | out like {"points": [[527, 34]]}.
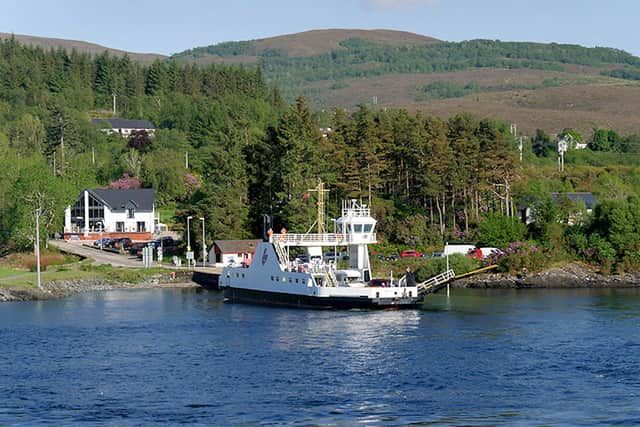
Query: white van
{"points": [[457, 249]]}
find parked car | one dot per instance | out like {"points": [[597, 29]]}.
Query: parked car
{"points": [[121, 243], [392, 257], [104, 242], [437, 254], [379, 282], [487, 252], [458, 249], [409, 253], [474, 253], [136, 247]]}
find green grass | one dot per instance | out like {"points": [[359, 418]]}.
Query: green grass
{"points": [[82, 270], [8, 272]]}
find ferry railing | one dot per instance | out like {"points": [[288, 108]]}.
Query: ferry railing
{"points": [[323, 239], [432, 284]]}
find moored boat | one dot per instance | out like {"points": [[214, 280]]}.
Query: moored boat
{"points": [[273, 277]]}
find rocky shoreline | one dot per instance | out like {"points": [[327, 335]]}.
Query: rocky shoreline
{"points": [[66, 288], [573, 275]]}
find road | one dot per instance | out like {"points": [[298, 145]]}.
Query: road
{"points": [[118, 260], [100, 257]]}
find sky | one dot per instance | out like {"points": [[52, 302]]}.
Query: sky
{"points": [[166, 27]]}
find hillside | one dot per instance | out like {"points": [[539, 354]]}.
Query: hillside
{"points": [[80, 46], [308, 43], [549, 86]]}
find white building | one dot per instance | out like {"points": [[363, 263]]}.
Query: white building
{"points": [[124, 127], [111, 213]]}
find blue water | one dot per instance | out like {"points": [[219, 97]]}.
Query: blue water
{"points": [[169, 357]]}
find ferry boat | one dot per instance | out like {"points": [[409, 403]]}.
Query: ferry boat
{"points": [[312, 281]]}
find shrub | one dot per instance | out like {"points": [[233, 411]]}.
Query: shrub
{"points": [[522, 254], [499, 230]]}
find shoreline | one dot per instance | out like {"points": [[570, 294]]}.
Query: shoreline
{"points": [[66, 288], [572, 275]]}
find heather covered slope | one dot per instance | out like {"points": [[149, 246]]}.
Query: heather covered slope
{"points": [[548, 86]]}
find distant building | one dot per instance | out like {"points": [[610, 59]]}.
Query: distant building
{"points": [[325, 132], [588, 200], [124, 127], [111, 213], [227, 252]]}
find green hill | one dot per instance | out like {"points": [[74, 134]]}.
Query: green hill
{"points": [[551, 86]]}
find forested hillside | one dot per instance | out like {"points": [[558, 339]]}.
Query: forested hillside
{"points": [[549, 86], [429, 180]]}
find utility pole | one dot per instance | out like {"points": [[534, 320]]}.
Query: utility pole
{"points": [[563, 145], [189, 253], [204, 245], [37, 248], [520, 148], [113, 95], [186, 160]]}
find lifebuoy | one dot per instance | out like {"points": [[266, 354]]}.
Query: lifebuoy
{"points": [[339, 236]]}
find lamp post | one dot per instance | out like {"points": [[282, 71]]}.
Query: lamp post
{"points": [[38, 248], [204, 245], [188, 242]]}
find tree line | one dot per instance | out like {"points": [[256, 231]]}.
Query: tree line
{"points": [[428, 179]]}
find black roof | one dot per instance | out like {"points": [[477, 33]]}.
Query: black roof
{"points": [[117, 200], [116, 123], [588, 198]]}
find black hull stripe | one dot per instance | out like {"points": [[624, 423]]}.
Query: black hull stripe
{"points": [[252, 296]]}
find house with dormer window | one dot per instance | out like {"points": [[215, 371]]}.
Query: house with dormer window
{"points": [[111, 213]]}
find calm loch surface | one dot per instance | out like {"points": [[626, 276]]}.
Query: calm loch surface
{"points": [[149, 357]]}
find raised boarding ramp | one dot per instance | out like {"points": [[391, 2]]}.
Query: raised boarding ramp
{"points": [[432, 285]]}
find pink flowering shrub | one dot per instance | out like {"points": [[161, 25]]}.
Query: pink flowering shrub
{"points": [[126, 182], [519, 255], [191, 183]]}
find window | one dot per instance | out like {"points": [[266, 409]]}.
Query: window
{"points": [[367, 228], [141, 226], [120, 227], [131, 213], [357, 228]]}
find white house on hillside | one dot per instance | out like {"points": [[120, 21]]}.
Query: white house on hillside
{"points": [[124, 127], [111, 213]]}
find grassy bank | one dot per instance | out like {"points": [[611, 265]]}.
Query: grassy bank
{"points": [[15, 278]]}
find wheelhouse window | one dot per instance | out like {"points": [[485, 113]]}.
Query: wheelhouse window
{"points": [[141, 227], [120, 227]]}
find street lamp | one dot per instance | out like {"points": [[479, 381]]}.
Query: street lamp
{"points": [[188, 242], [204, 245], [37, 248]]}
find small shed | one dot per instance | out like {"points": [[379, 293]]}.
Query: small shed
{"points": [[236, 252]]}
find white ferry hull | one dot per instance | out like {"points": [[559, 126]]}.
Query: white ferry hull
{"points": [[254, 296]]}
